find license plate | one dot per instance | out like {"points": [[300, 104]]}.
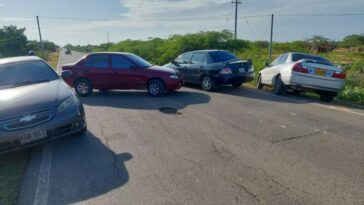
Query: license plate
{"points": [[242, 70], [320, 71], [33, 135]]}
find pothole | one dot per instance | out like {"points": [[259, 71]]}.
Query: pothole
{"points": [[169, 111]]}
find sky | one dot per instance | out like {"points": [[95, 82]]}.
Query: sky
{"points": [[88, 21]]}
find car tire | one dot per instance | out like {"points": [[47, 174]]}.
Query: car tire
{"points": [[259, 82], [237, 85], [83, 87], [279, 87], [207, 83], [156, 88], [327, 97]]}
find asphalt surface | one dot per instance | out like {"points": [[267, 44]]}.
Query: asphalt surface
{"points": [[232, 146]]}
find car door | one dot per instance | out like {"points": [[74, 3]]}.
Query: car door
{"points": [[269, 73], [182, 64], [97, 69], [196, 67], [127, 75]]}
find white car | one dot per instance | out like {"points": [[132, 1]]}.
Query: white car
{"points": [[303, 72]]}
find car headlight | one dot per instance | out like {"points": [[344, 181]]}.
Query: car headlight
{"points": [[174, 76], [67, 104]]}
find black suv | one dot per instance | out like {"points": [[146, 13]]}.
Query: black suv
{"points": [[212, 68]]}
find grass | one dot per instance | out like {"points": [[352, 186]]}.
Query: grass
{"points": [[12, 168], [13, 165], [52, 59]]}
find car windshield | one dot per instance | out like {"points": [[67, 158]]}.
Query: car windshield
{"points": [[300, 56], [222, 56], [25, 73], [140, 61]]}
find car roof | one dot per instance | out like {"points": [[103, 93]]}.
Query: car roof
{"points": [[119, 53], [301, 53], [19, 59], [206, 51]]}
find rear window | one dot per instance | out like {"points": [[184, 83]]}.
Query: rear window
{"points": [[24, 73], [222, 56], [299, 56]]}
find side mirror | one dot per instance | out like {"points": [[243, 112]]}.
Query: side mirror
{"points": [[66, 74], [267, 65], [174, 62]]}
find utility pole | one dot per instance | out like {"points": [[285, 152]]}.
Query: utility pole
{"points": [[271, 39], [236, 2], [40, 38]]}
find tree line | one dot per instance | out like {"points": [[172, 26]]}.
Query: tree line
{"points": [[13, 42]]}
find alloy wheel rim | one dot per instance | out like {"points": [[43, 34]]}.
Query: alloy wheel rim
{"points": [[206, 83], [154, 89], [82, 88]]}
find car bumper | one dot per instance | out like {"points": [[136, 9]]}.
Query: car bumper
{"points": [[174, 84], [302, 81], [66, 124], [233, 78]]}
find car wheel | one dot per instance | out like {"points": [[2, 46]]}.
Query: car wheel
{"points": [[327, 97], [279, 87], [237, 85], [155, 88], [259, 82], [83, 87], [206, 83]]}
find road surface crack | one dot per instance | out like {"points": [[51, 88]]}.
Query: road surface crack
{"points": [[115, 157], [307, 135], [250, 193]]}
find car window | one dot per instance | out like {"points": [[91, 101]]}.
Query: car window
{"points": [[276, 61], [24, 73], [222, 56], [184, 58], [97, 61], [198, 58], [121, 62], [283, 58]]}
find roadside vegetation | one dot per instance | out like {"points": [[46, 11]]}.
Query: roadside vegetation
{"points": [[347, 53], [12, 168]]}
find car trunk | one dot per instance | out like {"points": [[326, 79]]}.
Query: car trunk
{"points": [[239, 66], [320, 69]]}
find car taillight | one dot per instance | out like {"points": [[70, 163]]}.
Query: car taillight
{"points": [[339, 75], [226, 71], [299, 68]]}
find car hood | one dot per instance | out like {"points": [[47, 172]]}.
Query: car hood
{"points": [[163, 69], [26, 99]]}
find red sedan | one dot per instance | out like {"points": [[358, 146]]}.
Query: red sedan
{"points": [[105, 71]]}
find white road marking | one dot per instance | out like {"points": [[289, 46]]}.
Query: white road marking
{"points": [[42, 190], [283, 126], [338, 108]]}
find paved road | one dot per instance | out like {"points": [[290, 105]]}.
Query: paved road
{"points": [[232, 146]]}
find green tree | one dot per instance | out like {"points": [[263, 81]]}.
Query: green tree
{"points": [[13, 41], [352, 41]]}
